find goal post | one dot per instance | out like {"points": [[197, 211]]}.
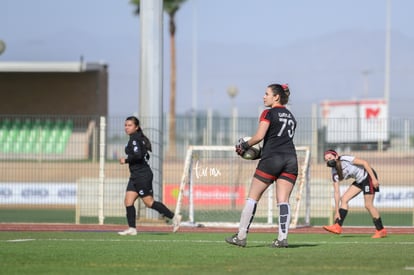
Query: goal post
{"points": [[214, 186]]}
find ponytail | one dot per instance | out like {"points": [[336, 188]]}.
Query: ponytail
{"points": [[147, 142], [339, 169]]}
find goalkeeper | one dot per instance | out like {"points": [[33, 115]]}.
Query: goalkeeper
{"points": [[278, 163]]}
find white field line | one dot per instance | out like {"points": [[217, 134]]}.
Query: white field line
{"points": [[201, 241], [19, 240]]}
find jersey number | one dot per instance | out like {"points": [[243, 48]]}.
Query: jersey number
{"points": [[287, 123]]}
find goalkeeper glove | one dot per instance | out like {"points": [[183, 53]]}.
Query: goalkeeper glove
{"points": [[241, 147]]}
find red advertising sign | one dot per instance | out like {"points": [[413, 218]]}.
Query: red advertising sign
{"points": [[205, 194], [355, 120]]}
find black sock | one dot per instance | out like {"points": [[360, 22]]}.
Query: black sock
{"points": [[162, 209], [131, 216], [284, 217], [342, 214], [378, 223], [252, 217]]}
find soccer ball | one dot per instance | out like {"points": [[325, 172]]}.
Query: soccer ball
{"points": [[253, 152]]}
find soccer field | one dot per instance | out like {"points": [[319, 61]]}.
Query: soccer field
{"points": [[201, 253]]}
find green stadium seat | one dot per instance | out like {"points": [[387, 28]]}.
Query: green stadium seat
{"points": [[27, 147], [35, 136], [47, 124], [16, 147], [36, 147], [6, 147], [6, 123], [60, 124], [37, 124], [3, 134], [60, 147], [12, 134], [69, 124], [17, 123], [27, 124]]}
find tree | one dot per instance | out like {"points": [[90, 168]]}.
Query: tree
{"points": [[170, 7]]}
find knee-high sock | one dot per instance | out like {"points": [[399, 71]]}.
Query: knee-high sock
{"points": [[378, 223], [342, 214], [131, 216], [246, 218], [284, 221], [162, 209]]}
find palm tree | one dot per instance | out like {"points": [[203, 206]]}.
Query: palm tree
{"points": [[170, 7], [2, 46]]}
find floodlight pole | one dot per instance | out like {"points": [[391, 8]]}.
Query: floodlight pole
{"points": [[232, 91], [194, 75], [387, 85], [387, 54], [151, 86]]}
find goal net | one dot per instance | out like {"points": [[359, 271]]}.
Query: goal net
{"points": [[215, 183]]}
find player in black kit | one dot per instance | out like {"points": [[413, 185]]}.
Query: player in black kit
{"points": [[278, 163], [140, 181]]}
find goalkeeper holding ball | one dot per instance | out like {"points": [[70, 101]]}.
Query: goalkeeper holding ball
{"points": [[278, 163]]}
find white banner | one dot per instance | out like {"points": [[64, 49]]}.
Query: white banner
{"points": [[38, 193], [388, 197], [65, 193]]}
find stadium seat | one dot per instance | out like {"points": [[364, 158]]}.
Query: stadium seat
{"points": [[6, 123], [34, 136]]}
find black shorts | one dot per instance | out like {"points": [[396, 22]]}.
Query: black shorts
{"points": [[366, 185], [141, 184], [280, 166]]}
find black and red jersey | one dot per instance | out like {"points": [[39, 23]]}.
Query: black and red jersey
{"points": [[279, 136]]}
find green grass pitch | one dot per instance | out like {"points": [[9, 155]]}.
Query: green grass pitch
{"points": [[201, 253]]}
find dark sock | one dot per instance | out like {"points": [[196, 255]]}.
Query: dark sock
{"points": [[162, 209], [378, 223], [342, 214], [131, 216], [283, 217], [252, 217]]}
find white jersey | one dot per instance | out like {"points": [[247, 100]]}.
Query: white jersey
{"points": [[350, 170]]}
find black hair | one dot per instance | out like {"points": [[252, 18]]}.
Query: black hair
{"points": [[135, 120], [282, 90]]}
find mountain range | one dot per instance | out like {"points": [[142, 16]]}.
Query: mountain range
{"points": [[344, 65]]}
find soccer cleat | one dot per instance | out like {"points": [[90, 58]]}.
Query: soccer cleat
{"points": [[176, 222], [130, 231], [280, 244], [235, 241], [380, 234], [336, 228]]}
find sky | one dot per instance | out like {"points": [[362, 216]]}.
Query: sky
{"points": [[108, 31]]}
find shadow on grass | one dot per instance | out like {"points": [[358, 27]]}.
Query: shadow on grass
{"points": [[156, 233], [296, 245], [355, 236]]}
